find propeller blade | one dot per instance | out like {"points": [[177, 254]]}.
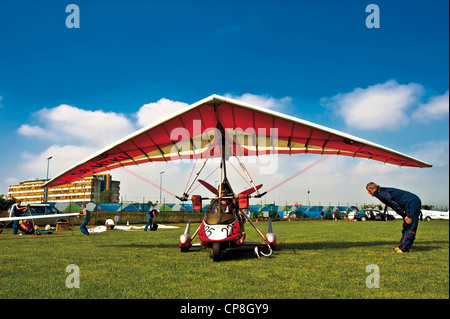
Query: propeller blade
{"points": [[209, 186], [251, 190]]}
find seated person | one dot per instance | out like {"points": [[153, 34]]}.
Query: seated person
{"points": [[228, 208]]}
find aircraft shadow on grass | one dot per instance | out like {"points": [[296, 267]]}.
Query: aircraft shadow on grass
{"points": [[248, 252], [239, 254], [420, 246]]}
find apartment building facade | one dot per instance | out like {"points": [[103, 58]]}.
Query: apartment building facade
{"points": [[85, 190]]}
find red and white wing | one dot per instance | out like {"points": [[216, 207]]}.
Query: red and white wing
{"points": [[249, 131]]}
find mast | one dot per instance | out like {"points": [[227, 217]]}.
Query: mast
{"points": [[223, 167]]}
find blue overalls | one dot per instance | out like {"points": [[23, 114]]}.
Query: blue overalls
{"points": [[15, 213], [149, 221], [86, 220], [405, 204]]}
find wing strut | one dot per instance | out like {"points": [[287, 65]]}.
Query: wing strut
{"points": [[248, 176], [186, 193]]}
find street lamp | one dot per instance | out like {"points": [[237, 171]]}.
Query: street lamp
{"points": [[48, 164], [309, 203], [160, 186], [46, 189]]}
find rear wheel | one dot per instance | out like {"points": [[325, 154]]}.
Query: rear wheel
{"points": [[217, 253]]}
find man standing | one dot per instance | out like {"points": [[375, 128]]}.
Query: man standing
{"points": [[17, 211], [406, 205], [151, 216], [87, 217]]}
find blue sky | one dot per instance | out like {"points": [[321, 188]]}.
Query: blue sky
{"points": [[68, 92]]}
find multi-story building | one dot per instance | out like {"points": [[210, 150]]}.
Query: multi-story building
{"points": [[85, 190]]}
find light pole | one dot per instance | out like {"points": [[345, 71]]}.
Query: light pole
{"points": [[48, 164], [46, 189], [309, 204], [160, 186]]}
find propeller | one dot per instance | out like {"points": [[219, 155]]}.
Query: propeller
{"points": [[251, 190], [216, 192], [209, 186]]}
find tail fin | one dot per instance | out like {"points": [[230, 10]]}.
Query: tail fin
{"points": [[270, 227], [185, 239], [188, 228], [271, 238]]}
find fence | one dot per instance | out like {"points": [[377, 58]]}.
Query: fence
{"points": [[135, 213], [181, 213]]}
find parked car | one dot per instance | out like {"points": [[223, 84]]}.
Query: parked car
{"points": [[42, 209], [428, 215], [372, 214]]}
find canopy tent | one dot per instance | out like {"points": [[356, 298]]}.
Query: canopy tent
{"points": [[196, 132]]}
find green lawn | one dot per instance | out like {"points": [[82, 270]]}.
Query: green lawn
{"points": [[314, 259]]}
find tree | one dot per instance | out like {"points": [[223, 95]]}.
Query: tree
{"points": [[5, 202], [106, 196]]}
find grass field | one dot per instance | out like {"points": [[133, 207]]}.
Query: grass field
{"points": [[315, 259]]}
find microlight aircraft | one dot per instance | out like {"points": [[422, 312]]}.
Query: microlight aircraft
{"points": [[219, 127], [223, 224]]}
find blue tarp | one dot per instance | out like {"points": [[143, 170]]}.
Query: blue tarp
{"points": [[311, 211]]}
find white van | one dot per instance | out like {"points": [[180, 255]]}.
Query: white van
{"points": [[431, 214]]}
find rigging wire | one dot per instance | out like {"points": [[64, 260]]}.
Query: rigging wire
{"points": [[204, 180], [320, 160], [300, 172], [147, 181], [245, 180], [189, 179]]}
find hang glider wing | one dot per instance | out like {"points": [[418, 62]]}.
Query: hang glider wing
{"points": [[196, 131], [28, 217]]}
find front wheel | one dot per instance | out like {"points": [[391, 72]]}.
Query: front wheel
{"points": [[217, 253]]}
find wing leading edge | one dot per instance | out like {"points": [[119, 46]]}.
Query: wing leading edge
{"points": [[249, 130], [32, 217]]}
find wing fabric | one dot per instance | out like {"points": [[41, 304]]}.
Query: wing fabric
{"points": [[194, 133]]}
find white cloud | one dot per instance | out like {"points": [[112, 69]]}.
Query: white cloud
{"points": [[155, 111], [433, 152], [68, 124], [75, 134], [378, 106], [63, 157], [437, 108], [33, 131], [263, 101]]}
